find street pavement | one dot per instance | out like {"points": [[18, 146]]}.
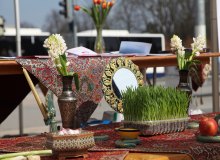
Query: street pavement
{"points": [[33, 120]]}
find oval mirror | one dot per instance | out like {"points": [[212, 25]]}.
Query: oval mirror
{"points": [[119, 74], [122, 79]]}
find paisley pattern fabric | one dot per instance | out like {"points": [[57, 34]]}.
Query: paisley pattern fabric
{"points": [[90, 71], [199, 73], [180, 142], [31, 143]]}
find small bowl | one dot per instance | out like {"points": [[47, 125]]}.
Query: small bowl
{"points": [[128, 133]]}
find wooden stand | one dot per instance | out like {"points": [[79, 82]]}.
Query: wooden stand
{"points": [[71, 154]]}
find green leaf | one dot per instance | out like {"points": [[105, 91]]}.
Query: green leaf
{"points": [[95, 14], [104, 15], [57, 62], [63, 62], [76, 80], [86, 11], [188, 54]]}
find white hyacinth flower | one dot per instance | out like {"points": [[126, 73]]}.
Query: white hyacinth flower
{"points": [[56, 45], [68, 63], [57, 51], [198, 43], [184, 61], [59, 65], [176, 43]]}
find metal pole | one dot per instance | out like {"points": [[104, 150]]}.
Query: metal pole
{"points": [[74, 27], [75, 33], [18, 48], [214, 40], [200, 27]]}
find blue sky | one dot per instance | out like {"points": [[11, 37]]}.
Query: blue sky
{"points": [[31, 11]]}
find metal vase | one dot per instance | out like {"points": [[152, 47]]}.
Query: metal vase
{"points": [[67, 103]]}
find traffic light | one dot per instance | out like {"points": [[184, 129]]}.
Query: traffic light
{"points": [[65, 4], [2, 25]]}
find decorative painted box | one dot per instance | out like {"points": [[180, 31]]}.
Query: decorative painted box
{"points": [[70, 144]]}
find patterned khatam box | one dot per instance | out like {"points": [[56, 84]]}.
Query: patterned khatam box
{"points": [[70, 142]]}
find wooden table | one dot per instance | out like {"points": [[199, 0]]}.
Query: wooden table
{"points": [[14, 87], [169, 60], [13, 82], [9, 67], [157, 156], [164, 61], [10, 70]]}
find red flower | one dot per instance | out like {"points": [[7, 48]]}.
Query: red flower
{"points": [[99, 1], [76, 8]]}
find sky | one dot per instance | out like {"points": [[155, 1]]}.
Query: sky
{"points": [[31, 11]]}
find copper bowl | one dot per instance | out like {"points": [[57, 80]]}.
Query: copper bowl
{"points": [[128, 133]]}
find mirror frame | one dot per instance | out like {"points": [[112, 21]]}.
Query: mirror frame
{"points": [[111, 68]]}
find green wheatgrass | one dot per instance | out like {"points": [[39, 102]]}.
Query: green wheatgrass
{"points": [[150, 103]]}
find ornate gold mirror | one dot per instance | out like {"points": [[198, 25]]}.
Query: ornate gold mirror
{"points": [[119, 74]]}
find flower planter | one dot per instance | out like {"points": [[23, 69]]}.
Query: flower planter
{"points": [[158, 127]]}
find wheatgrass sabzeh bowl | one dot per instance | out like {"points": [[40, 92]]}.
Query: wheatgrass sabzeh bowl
{"points": [[155, 109]]}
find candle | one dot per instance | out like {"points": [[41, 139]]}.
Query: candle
{"points": [[37, 98]]}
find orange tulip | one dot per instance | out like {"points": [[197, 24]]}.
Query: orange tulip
{"points": [[104, 5], [95, 1], [76, 8], [98, 11], [111, 3]]}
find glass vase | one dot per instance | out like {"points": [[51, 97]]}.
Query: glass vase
{"points": [[184, 84], [67, 103], [99, 46]]}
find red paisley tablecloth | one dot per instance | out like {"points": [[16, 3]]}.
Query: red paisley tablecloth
{"points": [[89, 69], [180, 142]]}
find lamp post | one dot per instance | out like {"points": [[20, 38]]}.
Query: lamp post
{"points": [[200, 27], [215, 24], [74, 27], [18, 49], [67, 11]]}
